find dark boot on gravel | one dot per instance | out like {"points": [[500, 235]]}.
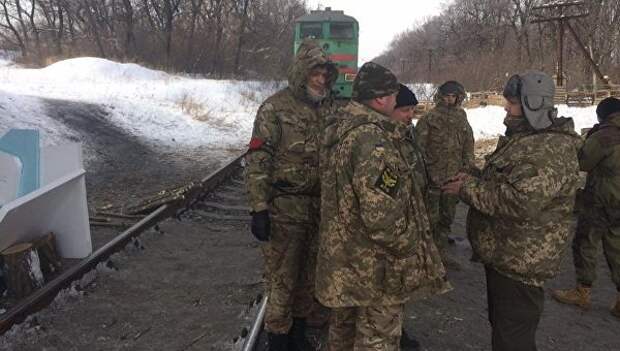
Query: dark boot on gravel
{"points": [[298, 340], [278, 342], [408, 342], [579, 296]]}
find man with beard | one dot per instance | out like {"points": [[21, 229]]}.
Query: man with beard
{"points": [[521, 208], [282, 179]]}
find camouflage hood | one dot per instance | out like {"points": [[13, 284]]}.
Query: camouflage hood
{"points": [[309, 55], [564, 125]]}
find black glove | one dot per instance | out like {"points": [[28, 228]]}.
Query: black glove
{"points": [[261, 225]]}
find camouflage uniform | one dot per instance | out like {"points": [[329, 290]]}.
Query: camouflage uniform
{"points": [[527, 190], [518, 223], [599, 219], [376, 247], [447, 140], [282, 177]]}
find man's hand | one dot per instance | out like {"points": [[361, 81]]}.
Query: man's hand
{"points": [[261, 225], [453, 187], [461, 176]]}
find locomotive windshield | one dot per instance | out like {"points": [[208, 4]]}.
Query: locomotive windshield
{"points": [[341, 30], [311, 30]]}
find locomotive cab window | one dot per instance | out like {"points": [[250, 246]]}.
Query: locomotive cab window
{"points": [[341, 30], [311, 30]]}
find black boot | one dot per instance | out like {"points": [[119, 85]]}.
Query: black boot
{"points": [[298, 341], [408, 342], [278, 342]]}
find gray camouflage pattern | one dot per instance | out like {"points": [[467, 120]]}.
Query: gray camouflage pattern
{"points": [[521, 206]]}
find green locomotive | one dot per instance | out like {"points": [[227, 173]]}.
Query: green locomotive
{"points": [[338, 34]]}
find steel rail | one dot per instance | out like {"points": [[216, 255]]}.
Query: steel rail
{"points": [[44, 296], [257, 327]]}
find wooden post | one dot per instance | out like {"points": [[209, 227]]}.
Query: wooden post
{"points": [[50, 261], [22, 270], [560, 66]]}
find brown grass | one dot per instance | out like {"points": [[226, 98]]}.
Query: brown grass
{"points": [[193, 108]]}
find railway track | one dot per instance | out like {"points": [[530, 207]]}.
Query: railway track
{"points": [[216, 203]]}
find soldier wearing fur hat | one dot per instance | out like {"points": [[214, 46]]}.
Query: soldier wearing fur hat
{"points": [[599, 220], [521, 208], [447, 140], [376, 248]]}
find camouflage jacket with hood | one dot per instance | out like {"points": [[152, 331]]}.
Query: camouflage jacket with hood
{"points": [[447, 141], [282, 162], [600, 157], [521, 207], [375, 245]]}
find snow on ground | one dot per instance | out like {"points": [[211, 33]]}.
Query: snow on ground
{"points": [[164, 109], [488, 122], [26, 112], [170, 110]]}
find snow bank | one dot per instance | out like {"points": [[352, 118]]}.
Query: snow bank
{"points": [[488, 122], [160, 108], [97, 69], [168, 110]]}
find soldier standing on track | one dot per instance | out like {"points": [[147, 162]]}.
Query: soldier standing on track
{"points": [[282, 180], [447, 140], [521, 208], [599, 219], [376, 247]]}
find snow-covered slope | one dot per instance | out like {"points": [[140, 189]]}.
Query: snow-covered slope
{"points": [[160, 108], [487, 122], [165, 109]]}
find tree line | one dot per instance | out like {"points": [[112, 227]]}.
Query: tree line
{"points": [[219, 38], [482, 42]]}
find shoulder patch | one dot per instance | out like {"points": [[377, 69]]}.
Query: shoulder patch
{"points": [[387, 181]]}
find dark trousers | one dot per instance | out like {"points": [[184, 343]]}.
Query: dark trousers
{"points": [[514, 312]]}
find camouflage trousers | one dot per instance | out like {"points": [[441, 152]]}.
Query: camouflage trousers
{"points": [[290, 262], [365, 328], [442, 208], [594, 228]]}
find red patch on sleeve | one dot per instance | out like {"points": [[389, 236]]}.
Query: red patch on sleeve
{"points": [[256, 143]]}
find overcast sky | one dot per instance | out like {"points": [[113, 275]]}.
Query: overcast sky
{"points": [[381, 20]]}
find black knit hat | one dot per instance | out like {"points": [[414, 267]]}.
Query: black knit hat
{"points": [[607, 107], [405, 97]]}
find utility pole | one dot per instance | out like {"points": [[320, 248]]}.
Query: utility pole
{"points": [[562, 13], [430, 65]]}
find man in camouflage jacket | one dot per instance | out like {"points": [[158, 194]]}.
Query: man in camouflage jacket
{"points": [[447, 140], [376, 247], [521, 208], [599, 218], [282, 180]]}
